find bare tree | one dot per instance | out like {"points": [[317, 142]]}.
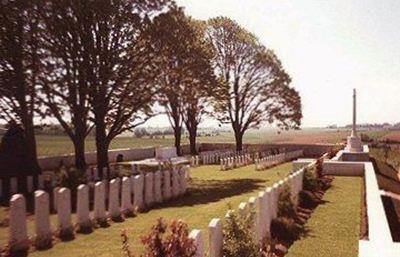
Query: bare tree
{"points": [[186, 72], [19, 69], [255, 86]]}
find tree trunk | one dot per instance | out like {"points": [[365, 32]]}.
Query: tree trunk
{"points": [[192, 140], [79, 146], [102, 145], [32, 160], [239, 141], [177, 135]]}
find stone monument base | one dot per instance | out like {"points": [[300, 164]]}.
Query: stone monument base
{"points": [[354, 144]]}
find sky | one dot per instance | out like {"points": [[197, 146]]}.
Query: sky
{"points": [[328, 48]]}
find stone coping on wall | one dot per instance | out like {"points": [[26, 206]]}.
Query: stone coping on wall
{"points": [[380, 242]]}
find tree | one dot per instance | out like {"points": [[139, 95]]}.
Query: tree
{"points": [[19, 70], [186, 75], [64, 84], [107, 63], [255, 87], [120, 67]]}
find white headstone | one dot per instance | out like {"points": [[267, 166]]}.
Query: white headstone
{"points": [[126, 199], [42, 220], [167, 194], [18, 239], [149, 189], [99, 202], [182, 181], [138, 202], [243, 209], [55, 196], [40, 182], [197, 237], [64, 211], [215, 238], [113, 199], [82, 207], [157, 187], [175, 183]]}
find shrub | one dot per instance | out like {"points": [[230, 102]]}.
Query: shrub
{"points": [[71, 177], [286, 206], [308, 200], [285, 229], [310, 182], [239, 238], [176, 243]]}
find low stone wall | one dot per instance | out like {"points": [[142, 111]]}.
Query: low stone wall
{"points": [[134, 154], [265, 206], [310, 150]]}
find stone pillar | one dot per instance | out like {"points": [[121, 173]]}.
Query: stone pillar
{"points": [[43, 235], [157, 187], [260, 216], [215, 238], [18, 239], [113, 200], [167, 194], [126, 201], [149, 189], [66, 230], [29, 184], [138, 201], [197, 237], [82, 208], [99, 203], [175, 183]]}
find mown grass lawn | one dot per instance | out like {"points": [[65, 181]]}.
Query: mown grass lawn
{"points": [[208, 197], [333, 229]]}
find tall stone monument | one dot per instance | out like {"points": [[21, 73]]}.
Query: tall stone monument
{"points": [[354, 144]]}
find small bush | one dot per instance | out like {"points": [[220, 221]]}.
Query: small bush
{"points": [[239, 238], [176, 243], [308, 200], [310, 181], [71, 177], [286, 206], [285, 229]]}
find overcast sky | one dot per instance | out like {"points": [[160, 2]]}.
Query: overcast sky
{"points": [[328, 48]]}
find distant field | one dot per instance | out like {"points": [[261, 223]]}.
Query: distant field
{"points": [[56, 145], [392, 136]]}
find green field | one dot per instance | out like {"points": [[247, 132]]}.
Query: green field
{"points": [[333, 229], [208, 197], [56, 145]]}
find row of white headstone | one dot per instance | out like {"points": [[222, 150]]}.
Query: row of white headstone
{"points": [[265, 205], [30, 186], [272, 160], [92, 175], [235, 161], [124, 196]]}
